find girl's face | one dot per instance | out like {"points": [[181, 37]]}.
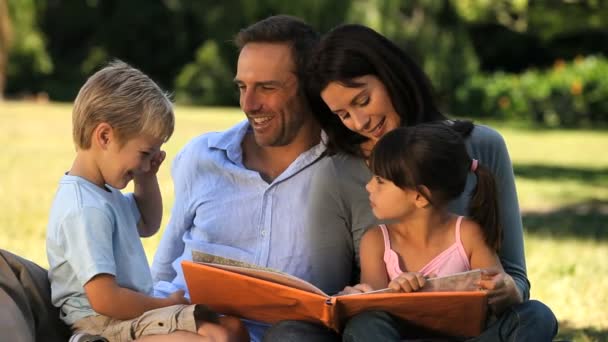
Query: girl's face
{"points": [[389, 201], [366, 109]]}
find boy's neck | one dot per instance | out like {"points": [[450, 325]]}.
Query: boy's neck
{"points": [[85, 166]]}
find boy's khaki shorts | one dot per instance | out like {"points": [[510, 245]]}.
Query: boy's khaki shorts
{"points": [[161, 321]]}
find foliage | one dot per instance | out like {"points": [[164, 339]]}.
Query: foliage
{"points": [[29, 60], [570, 94]]}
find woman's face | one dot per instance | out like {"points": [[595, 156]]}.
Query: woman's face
{"points": [[366, 109]]}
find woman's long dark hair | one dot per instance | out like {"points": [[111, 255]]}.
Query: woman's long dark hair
{"points": [[351, 51], [434, 155]]}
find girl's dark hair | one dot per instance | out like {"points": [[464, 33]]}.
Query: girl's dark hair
{"points": [[434, 155], [351, 51]]}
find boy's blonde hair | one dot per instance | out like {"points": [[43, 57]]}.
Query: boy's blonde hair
{"points": [[126, 99]]}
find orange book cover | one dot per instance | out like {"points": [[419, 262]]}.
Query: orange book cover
{"points": [[270, 296]]}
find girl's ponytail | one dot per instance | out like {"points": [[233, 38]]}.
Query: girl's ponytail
{"points": [[483, 207]]}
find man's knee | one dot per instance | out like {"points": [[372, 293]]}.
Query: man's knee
{"points": [[294, 331]]}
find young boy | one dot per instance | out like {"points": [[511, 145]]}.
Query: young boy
{"points": [[100, 278]]}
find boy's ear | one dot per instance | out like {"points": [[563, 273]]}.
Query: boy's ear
{"points": [[422, 197], [103, 135]]}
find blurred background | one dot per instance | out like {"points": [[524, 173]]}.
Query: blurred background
{"points": [[536, 70]]}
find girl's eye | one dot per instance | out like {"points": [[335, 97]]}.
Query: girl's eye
{"points": [[379, 180]]}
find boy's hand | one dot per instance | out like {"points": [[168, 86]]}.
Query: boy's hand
{"points": [[408, 282], [177, 297], [156, 161]]}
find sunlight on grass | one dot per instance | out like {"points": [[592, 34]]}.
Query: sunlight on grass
{"points": [[568, 273]]}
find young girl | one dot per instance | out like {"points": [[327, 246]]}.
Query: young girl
{"points": [[417, 170]]}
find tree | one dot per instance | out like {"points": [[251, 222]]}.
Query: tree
{"points": [[6, 36]]}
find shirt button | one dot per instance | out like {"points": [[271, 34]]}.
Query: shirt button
{"points": [[263, 232]]}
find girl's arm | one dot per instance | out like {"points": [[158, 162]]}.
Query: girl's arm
{"points": [[373, 268], [501, 288]]}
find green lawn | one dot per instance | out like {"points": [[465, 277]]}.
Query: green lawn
{"points": [[562, 179]]}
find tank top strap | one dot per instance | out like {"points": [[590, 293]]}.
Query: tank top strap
{"points": [[387, 239], [457, 230]]}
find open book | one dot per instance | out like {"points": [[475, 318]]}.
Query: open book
{"points": [[249, 291]]}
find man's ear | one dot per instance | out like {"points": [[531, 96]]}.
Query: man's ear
{"points": [[422, 197], [103, 135]]}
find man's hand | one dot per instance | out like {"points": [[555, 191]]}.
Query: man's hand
{"points": [[407, 282], [501, 289]]}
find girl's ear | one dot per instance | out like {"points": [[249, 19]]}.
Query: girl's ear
{"points": [[422, 197], [103, 135]]}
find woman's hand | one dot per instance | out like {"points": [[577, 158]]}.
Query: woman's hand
{"points": [[407, 282], [359, 288], [501, 289]]}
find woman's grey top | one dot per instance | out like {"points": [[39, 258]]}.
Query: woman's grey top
{"points": [[340, 212]]}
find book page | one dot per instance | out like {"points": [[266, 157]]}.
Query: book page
{"points": [[255, 271], [463, 281]]}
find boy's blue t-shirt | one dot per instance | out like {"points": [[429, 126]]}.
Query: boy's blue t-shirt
{"points": [[92, 231]]}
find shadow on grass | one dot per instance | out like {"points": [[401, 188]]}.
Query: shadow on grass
{"points": [[587, 334], [587, 220], [538, 171]]}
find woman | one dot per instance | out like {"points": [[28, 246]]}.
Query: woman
{"points": [[373, 87]]}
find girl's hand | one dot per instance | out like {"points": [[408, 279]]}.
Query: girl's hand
{"points": [[501, 289], [359, 288], [408, 282]]}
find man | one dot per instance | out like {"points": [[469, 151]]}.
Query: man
{"points": [[238, 193]]}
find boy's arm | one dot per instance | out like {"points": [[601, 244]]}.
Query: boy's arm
{"points": [[148, 198], [109, 299]]}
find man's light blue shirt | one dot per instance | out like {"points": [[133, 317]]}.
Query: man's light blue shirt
{"points": [[225, 209]]}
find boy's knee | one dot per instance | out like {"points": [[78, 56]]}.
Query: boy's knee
{"points": [[235, 327]]}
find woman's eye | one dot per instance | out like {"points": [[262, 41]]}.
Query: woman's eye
{"points": [[343, 115], [363, 102], [379, 180]]}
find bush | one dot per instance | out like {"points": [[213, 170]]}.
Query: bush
{"points": [[207, 80], [570, 94]]}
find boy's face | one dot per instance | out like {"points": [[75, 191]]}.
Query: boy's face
{"points": [[123, 162]]}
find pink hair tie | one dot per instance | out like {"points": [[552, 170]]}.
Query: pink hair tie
{"points": [[474, 164]]}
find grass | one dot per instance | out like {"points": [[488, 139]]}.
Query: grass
{"points": [[562, 179]]}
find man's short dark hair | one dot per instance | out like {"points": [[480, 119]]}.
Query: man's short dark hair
{"points": [[283, 29]]}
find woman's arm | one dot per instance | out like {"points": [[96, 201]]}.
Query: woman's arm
{"points": [[490, 148]]}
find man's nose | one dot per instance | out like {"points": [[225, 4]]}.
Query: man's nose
{"points": [[250, 102]]}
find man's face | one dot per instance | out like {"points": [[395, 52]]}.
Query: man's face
{"points": [[269, 96]]}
